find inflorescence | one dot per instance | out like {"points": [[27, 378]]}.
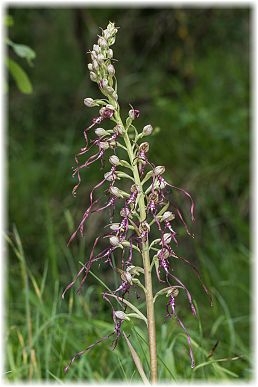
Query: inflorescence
{"points": [[130, 232]]}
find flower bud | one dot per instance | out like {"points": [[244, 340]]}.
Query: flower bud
{"points": [[115, 192], [114, 160], [121, 315], [114, 240], [106, 34], [102, 42], [127, 276], [159, 170], [111, 28], [112, 144], [110, 107], [100, 132], [107, 111], [90, 67], [115, 226], [100, 58], [147, 130], [167, 238], [115, 96], [95, 65], [144, 226], [135, 270], [103, 83], [112, 40], [163, 253], [160, 184], [144, 147], [93, 76], [173, 292], [110, 90], [134, 113], [96, 48], [111, 69], [93, 55], [89, 102], [104, 145], [168, 216], [110, 176], [110, 54]]}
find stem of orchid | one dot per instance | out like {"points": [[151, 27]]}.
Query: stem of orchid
{"points": [[146, 262]]}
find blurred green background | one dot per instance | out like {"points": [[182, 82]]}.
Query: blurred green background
{"points": [[187, 70]]}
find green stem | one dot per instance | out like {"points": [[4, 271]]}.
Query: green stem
{"points": [[146, 261]]}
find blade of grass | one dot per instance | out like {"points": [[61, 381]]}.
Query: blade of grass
{"points": [[136, 360]]}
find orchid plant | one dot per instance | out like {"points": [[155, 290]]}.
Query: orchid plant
{"points": [[144, 206]]}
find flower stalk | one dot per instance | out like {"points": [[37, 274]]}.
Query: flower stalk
{"points": [[146, 264], [146, 206]]}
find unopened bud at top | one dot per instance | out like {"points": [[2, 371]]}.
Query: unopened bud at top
{"points": [[107, 34], [114, 240], [134, 113], [147, 130], [89, 102], [111, 69], [114, 160], [96, 48], [111, 28], [159, 170], [100, 58], [90, 66], [110, 54], [102, 42]]}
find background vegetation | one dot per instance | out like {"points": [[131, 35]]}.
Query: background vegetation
{"points": [[187, 70]]}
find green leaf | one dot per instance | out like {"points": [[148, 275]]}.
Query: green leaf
{"points": [[8, 21], [23, 51], [21, 78], [136, 360]]}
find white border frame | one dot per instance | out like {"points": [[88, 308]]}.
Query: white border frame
{"points": [[253, 145]]}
